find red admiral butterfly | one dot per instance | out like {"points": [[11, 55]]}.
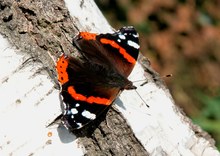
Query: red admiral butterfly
{"points": [[91, 84]]}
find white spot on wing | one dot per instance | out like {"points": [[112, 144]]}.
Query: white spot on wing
{"points": [[77, 104], [136, 35], [133, 44], [122, 36], [88, 115], [74, 111], [79, 124], [118, 40]]}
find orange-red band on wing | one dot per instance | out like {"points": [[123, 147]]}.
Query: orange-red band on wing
{"points": [[90, 99], [61, 67], [88, 36], [121, 50]]}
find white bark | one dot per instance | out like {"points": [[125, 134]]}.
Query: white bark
{"points": [[28, 102]]}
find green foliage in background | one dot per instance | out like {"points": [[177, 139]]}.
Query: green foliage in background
{"points": [[209, 117]]}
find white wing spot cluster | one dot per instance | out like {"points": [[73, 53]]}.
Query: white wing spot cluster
{"points": [[88, 115], [133, 44]]}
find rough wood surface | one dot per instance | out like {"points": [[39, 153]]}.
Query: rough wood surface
{"points": [[37, 31]]}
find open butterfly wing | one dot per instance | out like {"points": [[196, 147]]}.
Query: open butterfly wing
{"points": [[91, 85], [118, 50], [83, 100]]}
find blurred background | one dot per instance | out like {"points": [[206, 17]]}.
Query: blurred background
{"points": [[182, 38]]}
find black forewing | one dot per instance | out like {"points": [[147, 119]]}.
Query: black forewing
{"points": [[108, 56]]}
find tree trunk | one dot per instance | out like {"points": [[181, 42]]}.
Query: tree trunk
{"points": [[33, 33]]}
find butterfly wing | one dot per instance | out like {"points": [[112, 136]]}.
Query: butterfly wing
{"points": [[91, 85], [118, 50], [83, 98]]}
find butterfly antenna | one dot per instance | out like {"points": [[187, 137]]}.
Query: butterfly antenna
{"points": [[141, 98], [165, 76], [145, 82], [139, 80], [154, 78]]}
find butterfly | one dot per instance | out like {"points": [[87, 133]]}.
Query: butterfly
{"points": [[90, 84]]}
